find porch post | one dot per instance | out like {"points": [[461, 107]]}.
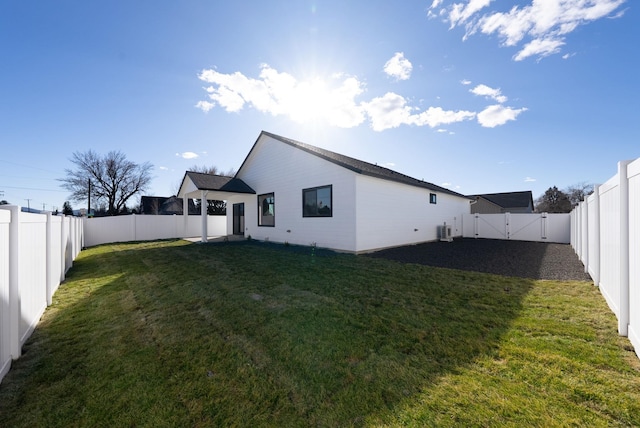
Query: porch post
{"points": [[203, 214], [185, 216]]}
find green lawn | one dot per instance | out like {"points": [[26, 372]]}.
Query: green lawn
{"points": [[245, 334]]}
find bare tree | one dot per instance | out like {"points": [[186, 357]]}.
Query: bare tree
{"points": [[578, 192], [214, 170], [110, 180]]}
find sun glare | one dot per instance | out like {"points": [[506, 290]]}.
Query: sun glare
{"points": [[311, 101]]}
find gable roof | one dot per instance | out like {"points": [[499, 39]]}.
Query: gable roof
{"points": [[355, 165], [218, 183], [522, 199]]}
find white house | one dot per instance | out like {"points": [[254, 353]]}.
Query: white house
{"points": [[288, 191]]}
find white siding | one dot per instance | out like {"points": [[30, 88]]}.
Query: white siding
{"points": [[368, 213], [392, 214], [276, 167]]}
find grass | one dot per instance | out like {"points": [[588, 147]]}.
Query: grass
{"points": [[246, 334]]}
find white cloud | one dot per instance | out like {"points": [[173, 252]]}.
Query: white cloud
{"points": [[163, 168], [388, 111], [333, 101], [205, 106], [436, 116], [529, 180], [539, 47], [540, 24], [276, 93], [486, 91], [460, 12], [465, 82], [497, 114], [399, 67], [187, 155], [391, 111]]}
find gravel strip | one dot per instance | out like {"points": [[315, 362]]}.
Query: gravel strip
{"points": [[535, 260]]}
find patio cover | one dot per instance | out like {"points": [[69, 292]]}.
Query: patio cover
{"points": [[197, 185]]}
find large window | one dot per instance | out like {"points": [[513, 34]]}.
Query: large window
{"points": [[266, 210], [317, 202]]}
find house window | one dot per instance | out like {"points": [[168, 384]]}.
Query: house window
{"points": [[317, 202], [432, 198], [266, 210]]}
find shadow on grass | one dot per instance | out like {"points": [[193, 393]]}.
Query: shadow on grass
{"points": [[176, 334]]}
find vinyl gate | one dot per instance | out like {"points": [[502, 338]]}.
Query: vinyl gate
{"points": [[540, 227]]}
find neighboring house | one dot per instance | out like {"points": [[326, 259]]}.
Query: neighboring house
{"points": [[159, 205], [497, 203], [288, 191]]}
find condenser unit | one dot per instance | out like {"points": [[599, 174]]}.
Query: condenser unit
{"points": [[444, 233]]}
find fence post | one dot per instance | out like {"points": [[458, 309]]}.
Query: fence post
{"points": [[584, 233], [623, 321], [507, 226], [49, 285], [476, 232], [14, 282], [577, 217]]}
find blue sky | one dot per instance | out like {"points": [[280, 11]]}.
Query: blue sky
{"points": [[478, 96]]}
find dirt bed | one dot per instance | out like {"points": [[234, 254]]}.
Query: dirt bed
{"points": [[522, 259]]}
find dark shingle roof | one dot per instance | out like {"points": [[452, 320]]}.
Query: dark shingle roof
{"points": [[219, 183], [360, 167], [509, 200]]}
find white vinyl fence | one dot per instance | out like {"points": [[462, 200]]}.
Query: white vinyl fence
{"points": [[605, 233], [102, 230], [36, 251], [541, 227]]}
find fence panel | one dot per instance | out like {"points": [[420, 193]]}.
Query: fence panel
{"points": [[32, 271], [5, 333], [592, 205], [540, 227], [102, 230], [488, 226], [609, 194], [33, 253], [609, 234], [151, 227], [633, 175], [55, 272]]}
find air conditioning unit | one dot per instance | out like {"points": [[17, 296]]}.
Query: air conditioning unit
{"points": [[444, 233]]}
